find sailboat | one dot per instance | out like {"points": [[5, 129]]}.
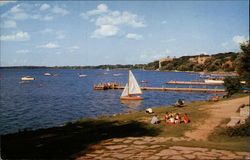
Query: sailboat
{"points": [[131, 88]]}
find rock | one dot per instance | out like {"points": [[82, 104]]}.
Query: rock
{"points": [[120, 155], [189, 148], [177, 157], [243, 153], [116, 147], [189, 156], [153, 158], [167, 152], [139, 142]]}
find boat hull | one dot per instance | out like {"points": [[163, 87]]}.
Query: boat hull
{"points": [[27, 79], [131, 98], [213, 81]]}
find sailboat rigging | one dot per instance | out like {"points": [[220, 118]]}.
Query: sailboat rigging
{"points": [[131, 88]]}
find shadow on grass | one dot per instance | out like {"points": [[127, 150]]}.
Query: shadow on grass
{"points": [[72, 139]]}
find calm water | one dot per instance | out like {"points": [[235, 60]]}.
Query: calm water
{"points": [[68, 98]]}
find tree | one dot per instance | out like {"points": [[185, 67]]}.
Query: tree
{"points": [[243, 63], [232, 85]]}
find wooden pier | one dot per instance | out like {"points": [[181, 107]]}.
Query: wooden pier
{"points": [[178, 89], [194, 83]]}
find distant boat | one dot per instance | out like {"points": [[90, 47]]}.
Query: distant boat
{"points": [[131, 88], [144, 81], [107, 69], [83, 75], [27, 78], [117, 74], [47, 74], [214, 80], [56, 75]]}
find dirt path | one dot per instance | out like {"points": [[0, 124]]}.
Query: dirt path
{"points": [[218, 112]]}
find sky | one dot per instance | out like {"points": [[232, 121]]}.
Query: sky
{"points": [[73, 33]]}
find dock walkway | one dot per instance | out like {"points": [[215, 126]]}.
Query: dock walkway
{"points": [[194, 83], [178, 89]]}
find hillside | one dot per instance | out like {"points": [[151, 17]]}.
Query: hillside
{"points": [[217, 62]]}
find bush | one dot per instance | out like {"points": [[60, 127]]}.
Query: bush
{"points": [[241, 130], [232, 85]]}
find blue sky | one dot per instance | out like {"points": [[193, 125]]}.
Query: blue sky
{"points": [[60, 33]]}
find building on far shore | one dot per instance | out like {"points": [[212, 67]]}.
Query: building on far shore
{"points": [[199, 59], [165, 59]]}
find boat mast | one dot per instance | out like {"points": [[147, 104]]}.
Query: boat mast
{"points": [[128, 83]]}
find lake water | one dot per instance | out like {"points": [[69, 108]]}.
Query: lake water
{"points": [[68, 97]]}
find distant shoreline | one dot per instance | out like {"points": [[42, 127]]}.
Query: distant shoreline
{"points": [[107, 66]]}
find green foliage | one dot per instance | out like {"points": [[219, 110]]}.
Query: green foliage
{"points": [[243, 63], [241, 130], [152, 66], [232, 85]]}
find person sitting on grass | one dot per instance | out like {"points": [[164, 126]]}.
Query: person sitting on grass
{"points": [[166, 117], [179, 103], [170, 120], [185, 118], [177, 118], [149, 111], [155, 120]]}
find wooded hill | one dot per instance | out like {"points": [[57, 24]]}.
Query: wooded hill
{"points": [[217, 62]]}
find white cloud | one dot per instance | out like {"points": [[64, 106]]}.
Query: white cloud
{"points": [[6, 2], [104, 31], [59, 10], [101, 8], [8, 24], [60, 35], [74, 47], [47, 30], [117, 18], [134, 36], [21, 16], [20, 36], [23, 51], [49, 45], [47, 18], [44, 7], [110, 22], [16, 9], [168, 40], [239, 39], [163, 22]]}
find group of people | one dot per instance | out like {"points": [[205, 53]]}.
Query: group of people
{"points": [[175, 118], [172, 118]]}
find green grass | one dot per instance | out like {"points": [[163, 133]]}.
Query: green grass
{"points": [[79, 137]]}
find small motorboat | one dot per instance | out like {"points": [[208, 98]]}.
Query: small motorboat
{"points": [[83, 75], [27, 78], [47, 74], [117, 74], [144, 81], [56, 75]]}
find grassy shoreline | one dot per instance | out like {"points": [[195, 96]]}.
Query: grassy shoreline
{"points": [[81, 135]]}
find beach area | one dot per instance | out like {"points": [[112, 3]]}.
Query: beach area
{"points": [[132, 136]]}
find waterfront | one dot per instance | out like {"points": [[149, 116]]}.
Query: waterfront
{"points": [[68, 97]]}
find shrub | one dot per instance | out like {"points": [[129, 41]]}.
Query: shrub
{"points": [[241, 130], [232, 85]]}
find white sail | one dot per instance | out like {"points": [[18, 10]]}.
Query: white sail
{"points": [[125, 91], [134, 88]]}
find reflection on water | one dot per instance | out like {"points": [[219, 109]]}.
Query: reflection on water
{"points": [[131, 103]]}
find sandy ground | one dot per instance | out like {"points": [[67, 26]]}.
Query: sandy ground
{"points": [[218, 112]]}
